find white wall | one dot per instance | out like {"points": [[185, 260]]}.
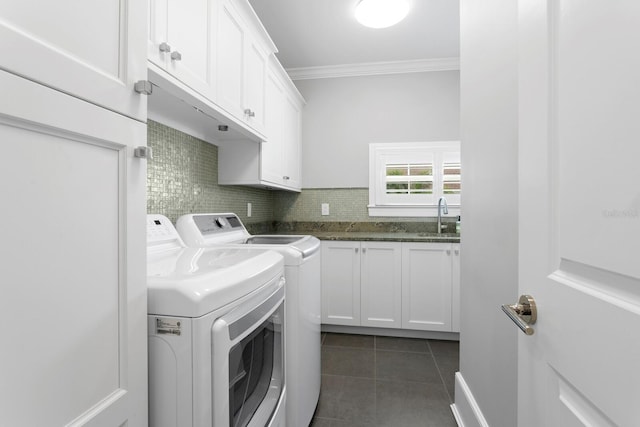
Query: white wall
{"points": [[344, 115], [489, 274]]}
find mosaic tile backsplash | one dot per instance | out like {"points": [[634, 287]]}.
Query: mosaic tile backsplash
{"points": [[182, 178], [345, 204]]}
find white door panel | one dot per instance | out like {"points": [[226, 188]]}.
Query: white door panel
{"points": [[189, 36], [579, 212], [230, 60], [92, 50], [381, 284], [426, 286], [341, 283], [73, 262]]}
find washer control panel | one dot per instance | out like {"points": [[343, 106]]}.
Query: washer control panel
{"points": [[210, 224]]}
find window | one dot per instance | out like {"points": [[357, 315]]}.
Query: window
{"points": [[407, 179]]}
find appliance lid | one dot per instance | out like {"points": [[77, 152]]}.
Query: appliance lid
{"points": [[305, 244], [195, 281], [271, 240]]}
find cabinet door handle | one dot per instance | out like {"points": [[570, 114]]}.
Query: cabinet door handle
{"points": [[164, 47], [356, 250], [448, 251], [285, 177], [143, 87], [249, 113], [364, 250], [457, 252], [176, 56]]}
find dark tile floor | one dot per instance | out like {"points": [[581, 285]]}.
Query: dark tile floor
{"points": [[383, 381]]}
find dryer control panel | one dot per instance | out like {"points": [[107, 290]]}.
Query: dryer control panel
{"points": [[161, 232]]}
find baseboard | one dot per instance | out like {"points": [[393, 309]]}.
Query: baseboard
{"points": [[465, 409], [390, 332]]}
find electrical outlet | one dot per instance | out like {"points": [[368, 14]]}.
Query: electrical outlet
{"points": [[248, 209], [325, 208]]}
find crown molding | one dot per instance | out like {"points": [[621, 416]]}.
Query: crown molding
{"points": [[374, 68]]}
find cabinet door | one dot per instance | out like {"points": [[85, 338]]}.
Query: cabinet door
{"points": [[271, 151], [291, 144], [93, 50], [341, 283], [230, 60], [426, 286], [380, 284], [455, 288], [255, 74], [158, 32], [190, 39], [73, 261]]}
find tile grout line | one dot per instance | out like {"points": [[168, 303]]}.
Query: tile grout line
{"points": [[439, 372], [375, 380]]}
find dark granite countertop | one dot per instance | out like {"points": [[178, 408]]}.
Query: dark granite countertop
{"points": [[367, 236], [363, 231]]}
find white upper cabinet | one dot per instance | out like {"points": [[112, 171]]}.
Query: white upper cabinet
{"points": [[292, 141], [280, 155], [271, 159], [241, 68], [274, 163], [92, 50], [216, 56], [255, 73], [229, 71], [181, 40]]}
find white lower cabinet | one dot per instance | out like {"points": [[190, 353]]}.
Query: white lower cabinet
{"points": [[426, 286], [455, 288], [361, 283], [341, 283], [391, 285], [380, 284]]}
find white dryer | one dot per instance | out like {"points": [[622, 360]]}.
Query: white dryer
{"points": [[216, 333], [302, 273]]}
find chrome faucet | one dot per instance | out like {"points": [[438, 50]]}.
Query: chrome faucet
{"points": [[441, 210]]}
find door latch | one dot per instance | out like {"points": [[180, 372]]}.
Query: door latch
{"points": [[523, 314]]}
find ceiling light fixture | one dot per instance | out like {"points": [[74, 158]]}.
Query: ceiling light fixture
{"points": [[381, 13]]}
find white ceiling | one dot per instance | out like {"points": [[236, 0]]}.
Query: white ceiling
{"points": [[320, 33]]}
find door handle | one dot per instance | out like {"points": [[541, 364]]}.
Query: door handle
{"points": [[523, 314]]}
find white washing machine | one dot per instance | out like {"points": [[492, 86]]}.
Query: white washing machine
{"points": [[302, 307], [216, 333]]}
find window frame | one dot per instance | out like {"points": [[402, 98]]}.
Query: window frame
{"points": [[413, 205]]}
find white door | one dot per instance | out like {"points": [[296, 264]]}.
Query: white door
{"points": [[93, 50], [580, 212], [72, 252]]}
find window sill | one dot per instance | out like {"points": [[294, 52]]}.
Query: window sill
{"points": [[412, 211]]}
